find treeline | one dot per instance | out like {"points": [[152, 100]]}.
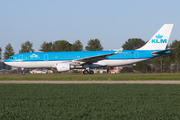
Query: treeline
{"points": [[59, 45], [166, 63], [63, 45]]}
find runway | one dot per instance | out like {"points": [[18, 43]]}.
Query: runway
{"points": [[90, 82]]}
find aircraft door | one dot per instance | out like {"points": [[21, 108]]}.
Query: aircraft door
{"points": [[21, 58], [46, 57], [136, 54]]}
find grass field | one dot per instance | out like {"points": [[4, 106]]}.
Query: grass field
{"points": [[97, 77], [89, 101]]}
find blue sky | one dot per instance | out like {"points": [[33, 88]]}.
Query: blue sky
{"points": [[111, 21]]}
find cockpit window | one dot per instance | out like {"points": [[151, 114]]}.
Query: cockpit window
{"points": [[11, 58]]}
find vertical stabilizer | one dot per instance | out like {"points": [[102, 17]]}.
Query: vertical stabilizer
{"points": [[160, 40]]}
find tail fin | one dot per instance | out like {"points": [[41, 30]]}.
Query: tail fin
{"points": [[160, 40]]}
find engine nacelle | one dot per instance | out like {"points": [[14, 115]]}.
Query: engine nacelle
{"points": [[62, 67]]}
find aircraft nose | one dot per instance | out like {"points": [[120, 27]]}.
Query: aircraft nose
{"points": [[6, 62], [9, 63]]}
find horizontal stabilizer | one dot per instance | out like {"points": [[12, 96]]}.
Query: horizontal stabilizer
{"points": [[155, 53]]}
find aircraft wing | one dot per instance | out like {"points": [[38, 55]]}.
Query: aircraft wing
{"points": [[93, 59]]}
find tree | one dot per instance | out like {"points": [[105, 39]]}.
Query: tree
{"points": [[0, 52], [126, 70], [77, 46], [8, 51], [46, 47], [94, 45], [133, 44], [167, 62], [26, 47], [176, 53], [155, 64], [142, 67], [61, 45]]}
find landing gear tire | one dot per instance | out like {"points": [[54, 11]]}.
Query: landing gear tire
{"points": [[88, 72], [23, 72], [85, 72], [91, 72]]}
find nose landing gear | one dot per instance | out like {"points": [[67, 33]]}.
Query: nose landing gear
{"points": [[23, 71]]}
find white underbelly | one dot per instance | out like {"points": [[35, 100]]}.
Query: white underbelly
{"points": [[116, 62], [34, 64]]}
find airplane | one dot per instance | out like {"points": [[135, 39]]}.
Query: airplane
{"points": [[87, 60]]}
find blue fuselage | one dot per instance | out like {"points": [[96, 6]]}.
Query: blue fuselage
{"points": [[68, 56]]}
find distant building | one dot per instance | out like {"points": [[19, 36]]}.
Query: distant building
{"points": [[4, 66]]}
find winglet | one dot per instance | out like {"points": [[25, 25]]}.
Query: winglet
{"points": [[119, 51]]}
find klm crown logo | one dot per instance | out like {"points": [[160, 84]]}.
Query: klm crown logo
{"points": [[34, 56], [159, 39], [159, 36]]}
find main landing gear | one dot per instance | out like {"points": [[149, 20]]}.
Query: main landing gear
{"points": [[88, 72]]}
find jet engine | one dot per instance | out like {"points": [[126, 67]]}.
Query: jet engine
{"points": [[62, 67], [65, 66]]}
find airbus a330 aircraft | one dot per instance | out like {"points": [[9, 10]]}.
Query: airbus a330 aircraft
{"points": [[65, 61]]}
